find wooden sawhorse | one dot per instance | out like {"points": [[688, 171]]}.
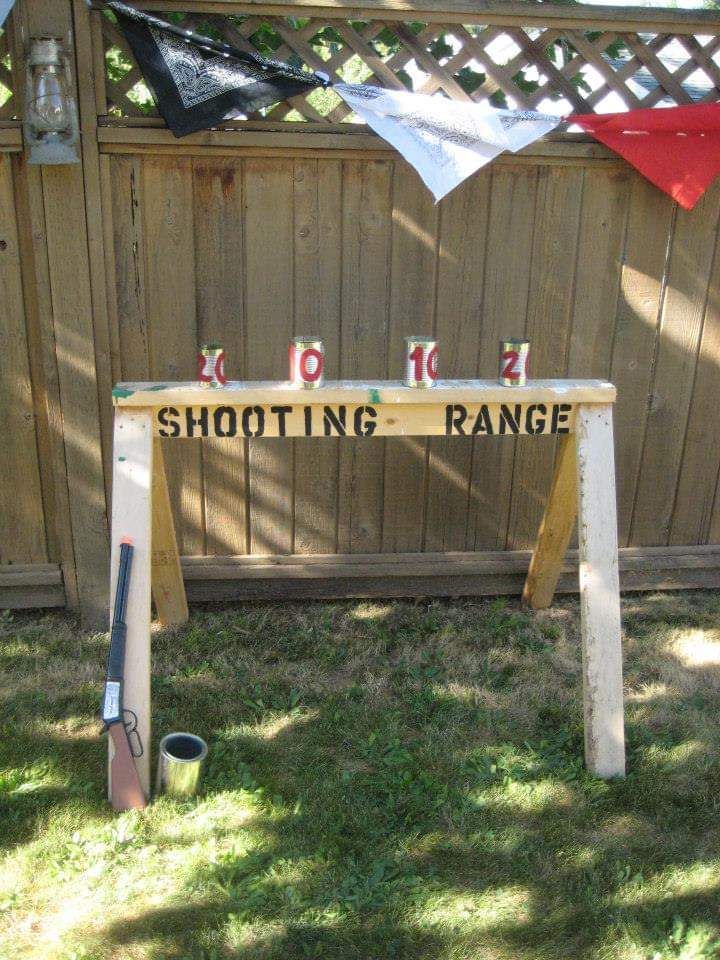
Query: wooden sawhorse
{"points": [[578, 412]]}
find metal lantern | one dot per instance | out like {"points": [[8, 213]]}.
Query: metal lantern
{"points": [[51, 120]]}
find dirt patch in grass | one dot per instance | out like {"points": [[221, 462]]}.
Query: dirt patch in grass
{"points": [[385, 780]]}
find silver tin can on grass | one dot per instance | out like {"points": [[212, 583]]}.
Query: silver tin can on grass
{"points": [[180, 762]]}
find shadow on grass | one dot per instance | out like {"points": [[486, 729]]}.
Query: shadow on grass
{"points": [[504, 881], [393, 815]]}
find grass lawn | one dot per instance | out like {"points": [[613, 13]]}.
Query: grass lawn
{"points": [[386, 780]]}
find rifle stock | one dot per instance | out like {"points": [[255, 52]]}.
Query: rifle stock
{"points": [[126, 791]]}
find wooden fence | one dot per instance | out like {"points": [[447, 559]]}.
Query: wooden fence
{"points": [[117, 268]]}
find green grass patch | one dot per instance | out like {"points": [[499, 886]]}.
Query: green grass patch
{"points": [[385, 780]]}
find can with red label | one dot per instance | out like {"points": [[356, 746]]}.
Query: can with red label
{"points": [[211, 366], [514, 362], [421, 362], [307, 362]]}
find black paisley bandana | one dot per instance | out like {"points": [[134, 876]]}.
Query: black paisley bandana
{"points": [[197, 82]]}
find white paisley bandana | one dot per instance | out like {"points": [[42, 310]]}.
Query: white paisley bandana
{"points": [[445, 140]]}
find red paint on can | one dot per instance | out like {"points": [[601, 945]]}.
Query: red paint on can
{"points": [[421, 362], [211, 366], [514, 356], [307, 362]]}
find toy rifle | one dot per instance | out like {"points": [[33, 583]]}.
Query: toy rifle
{"points": [[126, 792]]}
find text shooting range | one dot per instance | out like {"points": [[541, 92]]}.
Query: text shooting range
{"points": [[199, 83]]}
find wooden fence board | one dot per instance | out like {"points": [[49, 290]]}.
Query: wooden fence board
{"points": [[552, 269], [74, 351], [601, 242], [35, 294], [367, 204], [22, 520], [317, 199], [513, 194], [636, 323], [44, 373], [113, 319], [680, 327], [463, 241], [692, 513], [220, 283], [603, 225], [87, 85], [269, 324], [170, 290], [127, 212], [412, 313], [714, 532]]}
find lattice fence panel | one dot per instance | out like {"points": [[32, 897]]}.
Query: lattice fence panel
{"points": [[556, 70], [8, 102]]}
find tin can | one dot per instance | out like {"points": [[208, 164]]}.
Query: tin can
{"points": [[514, 362], [211, 366], [421, 362], [180, 763], [307, 362]]}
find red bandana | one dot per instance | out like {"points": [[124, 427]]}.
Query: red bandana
{"points": [[677, 148]]}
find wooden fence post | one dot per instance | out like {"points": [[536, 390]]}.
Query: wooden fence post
{"points": [[72, 303]]}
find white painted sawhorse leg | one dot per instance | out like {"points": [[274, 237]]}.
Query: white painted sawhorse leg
{"points": [[141, 511], [584, 485]]}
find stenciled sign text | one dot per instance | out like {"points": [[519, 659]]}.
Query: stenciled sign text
{"points": [[364, 420]]}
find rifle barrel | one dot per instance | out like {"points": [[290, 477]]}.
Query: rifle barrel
{"points": [[121, 593]]}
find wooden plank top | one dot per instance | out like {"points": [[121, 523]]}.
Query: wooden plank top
{"points": [[192, 393], [500, 12]]}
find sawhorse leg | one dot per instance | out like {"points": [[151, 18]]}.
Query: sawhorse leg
{"points": [[600, 592], [557, 524], [168, 589], [131, 517], [585, 475]]}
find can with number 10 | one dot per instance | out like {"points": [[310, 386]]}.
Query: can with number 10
{"points": [[421, 362], [307, 362], [514, 362]]}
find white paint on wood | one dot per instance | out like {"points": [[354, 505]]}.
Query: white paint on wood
{"points": [[131, 517], [600, 593]]}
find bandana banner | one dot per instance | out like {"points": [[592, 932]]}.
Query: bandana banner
{"points": [[5, 8], [445, 140], [197, 82], [676, 148]]}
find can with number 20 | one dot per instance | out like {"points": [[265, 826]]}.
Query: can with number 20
{"points": [[421, 359], [211, 366], [514, 362], [307, 362]]}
